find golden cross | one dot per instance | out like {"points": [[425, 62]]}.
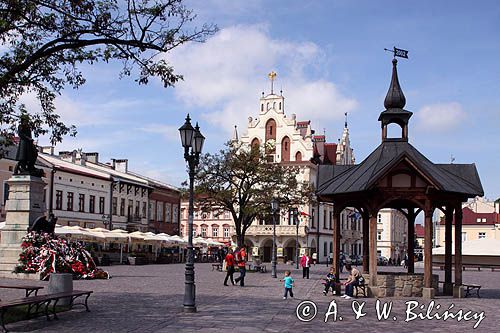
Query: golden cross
{"points": [[272, 77]]}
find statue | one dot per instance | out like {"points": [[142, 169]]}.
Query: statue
{"points": [[44, 225], [26, 150]]}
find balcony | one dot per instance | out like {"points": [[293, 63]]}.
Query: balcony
{"points": [[281, 230]]}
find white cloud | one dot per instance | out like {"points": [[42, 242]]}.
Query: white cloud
{"points": [[228, 72], [440, 117], [170, 133]]}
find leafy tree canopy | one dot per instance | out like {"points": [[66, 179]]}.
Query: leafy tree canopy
{"points": [[44, 41], [241, 181]]}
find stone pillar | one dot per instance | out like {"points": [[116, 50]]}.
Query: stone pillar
{"points": [[448, 284], [458, 289], [411, 241], [24, 206], [428, 291], [373, 256], [366, 242], [336, 249]]}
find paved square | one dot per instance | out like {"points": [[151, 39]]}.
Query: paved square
{"points": [[149, 299]]}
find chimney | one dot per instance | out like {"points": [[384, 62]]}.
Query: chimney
{"points": [[68, 156], [93, 157], [120, 165], [48, 150]]}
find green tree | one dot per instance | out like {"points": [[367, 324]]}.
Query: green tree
{"points": [[242, 182], [44, 42]]}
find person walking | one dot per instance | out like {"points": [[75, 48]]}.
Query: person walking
{"points": [[240, 259], [305, 262], [230, 263], [289, 283]]}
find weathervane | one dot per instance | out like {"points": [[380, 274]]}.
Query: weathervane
{"points": [[272, 77], [398, 52]]}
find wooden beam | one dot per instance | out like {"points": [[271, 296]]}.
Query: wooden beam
{"points": [[448, 285], [373, 249], [428, 246], [366, 242], [458, 245], [336, 248]]}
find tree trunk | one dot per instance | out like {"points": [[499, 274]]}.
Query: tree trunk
{"points": [[240, 239]]}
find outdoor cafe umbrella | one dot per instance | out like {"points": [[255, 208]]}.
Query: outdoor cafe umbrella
{"points": [[117, 236]]}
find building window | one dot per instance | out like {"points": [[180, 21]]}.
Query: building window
{"points": [[122, 207], [168, 213], [59, 195], [215, 231], [313, 223], [226, 215], [92, 204], [101, 205], [325, 226], [464, 236], [159, 211], [331, 247], [204, 232], [144, 210], [226, 232], [379, 218], [481, 235], [81, 202], [5, 192], [115, 206], [130, 208], [69, 205], [331, 219], [379, 235], [137, 208], [325, 245], [175, 214], [151, 210], [89, 225]]}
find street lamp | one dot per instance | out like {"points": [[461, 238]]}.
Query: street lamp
{"points": [[105, 220], [274, 210], [295, 213], [192, 141]]}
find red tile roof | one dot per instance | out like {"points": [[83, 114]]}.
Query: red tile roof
{"points": [[469, 217], [419, 230]]}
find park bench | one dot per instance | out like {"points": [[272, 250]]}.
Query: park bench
{"points": [[28, 289], [362, 288], [471, 287], [217, 266], [37, 302]]}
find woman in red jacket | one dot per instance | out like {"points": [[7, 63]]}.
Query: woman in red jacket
{"points": [[230, 263], [305, 262]]}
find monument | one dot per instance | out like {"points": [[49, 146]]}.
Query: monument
{"points": [[25, 203]]}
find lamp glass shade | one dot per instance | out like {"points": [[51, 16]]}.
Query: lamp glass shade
{"points": [[274, 205], [199, 139], [187, 132]]}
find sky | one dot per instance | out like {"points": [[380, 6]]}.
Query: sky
{"points": [[330, 59]]}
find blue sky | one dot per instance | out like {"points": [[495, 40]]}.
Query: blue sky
{"points": [[329, 58]]}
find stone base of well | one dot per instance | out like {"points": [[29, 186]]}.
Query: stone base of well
{"points": [[400, 285]]}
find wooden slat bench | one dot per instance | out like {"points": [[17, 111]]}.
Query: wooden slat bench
{"points": [[217, 266], [28, 289], [470, 287], [36, 302]]}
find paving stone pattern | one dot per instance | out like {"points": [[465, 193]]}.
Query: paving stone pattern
{"points": [[149, 299]]}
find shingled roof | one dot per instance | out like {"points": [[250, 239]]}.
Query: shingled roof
{"points": [[456, 178]]}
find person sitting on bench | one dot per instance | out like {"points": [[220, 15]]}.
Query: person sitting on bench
{"points": [[330, 281], [351, 282]]}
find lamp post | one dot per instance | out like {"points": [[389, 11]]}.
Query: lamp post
{"points": [[274, 210], [192, 141], [295, 213], [105, 220]]}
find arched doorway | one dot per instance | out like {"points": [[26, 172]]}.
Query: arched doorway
{"points": [[255, 143], [298, 156], [285, 149], [267, 250], [289, 250]]}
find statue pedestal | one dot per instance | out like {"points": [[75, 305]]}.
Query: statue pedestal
{"points": [[24, 206]]}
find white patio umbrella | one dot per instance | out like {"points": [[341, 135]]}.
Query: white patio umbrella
{"points": [[73, 232], [200, 241]]}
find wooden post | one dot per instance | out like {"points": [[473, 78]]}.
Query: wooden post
{"points": [[411, 241], [458, 289], [448, 285], [336, 249], [373, 251], [366, 242], [428, 248]]}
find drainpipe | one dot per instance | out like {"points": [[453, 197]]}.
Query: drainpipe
{"points": [[51, 192], [111, 204]]}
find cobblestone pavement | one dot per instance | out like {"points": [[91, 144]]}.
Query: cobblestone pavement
{"points": [[149, 299]]}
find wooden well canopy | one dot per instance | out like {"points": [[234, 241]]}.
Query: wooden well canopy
{"points": [[396, 175]]}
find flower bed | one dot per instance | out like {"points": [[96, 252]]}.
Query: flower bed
{"points": [[46, 254]]}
